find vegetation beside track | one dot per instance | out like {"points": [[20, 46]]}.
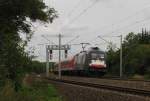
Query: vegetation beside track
{"points": [[32, 90], [16, 30], [38, 67], [136, 50]]}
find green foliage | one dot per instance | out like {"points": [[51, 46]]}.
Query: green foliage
{"points": [[38, 67], [136, 50], [112, 61], [16, 17], [38, 91]]}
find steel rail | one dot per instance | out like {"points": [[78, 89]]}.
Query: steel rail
{"points": [[113, 78], [124, 79], [107, 87]]}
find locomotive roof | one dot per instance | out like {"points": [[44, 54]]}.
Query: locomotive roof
{"points": [[92, 49]]}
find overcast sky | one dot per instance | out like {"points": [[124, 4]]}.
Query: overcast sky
{"points": [[89, 19]]}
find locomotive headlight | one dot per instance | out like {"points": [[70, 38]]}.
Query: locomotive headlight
{"points": [[98, 63], [90, 64]]}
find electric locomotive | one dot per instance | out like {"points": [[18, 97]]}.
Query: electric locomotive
{"points": [[90, 62]]}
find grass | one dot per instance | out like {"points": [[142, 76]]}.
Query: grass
{"points": [[147, 77], [36, 91], [141, 77]]}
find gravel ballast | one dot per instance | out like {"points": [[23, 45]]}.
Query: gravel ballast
{"points": [[120, 83], [72, 92]]}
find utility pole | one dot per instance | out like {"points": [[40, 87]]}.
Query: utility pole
{"points": [[84, 45], [51, 65], [121, 72], [121, 59], [59, 67], [49, 49], [47, 61]]}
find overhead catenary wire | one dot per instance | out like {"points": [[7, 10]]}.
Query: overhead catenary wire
{"points": [[84, 11], [129, 25], [48, 40], [94, 4], [124, 19], [141, 24], [75, 7], [73, 39], [124, 27], [81, 13], [104, 40]]}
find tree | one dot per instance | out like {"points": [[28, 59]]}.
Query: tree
{"points": [[16, 17], [136, 50], [112, 60]]}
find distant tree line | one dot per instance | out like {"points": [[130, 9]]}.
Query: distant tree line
{"points": [[38, 67], [136, 55]]}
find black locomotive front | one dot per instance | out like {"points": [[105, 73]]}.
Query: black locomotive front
{"points": [[91, 62]]}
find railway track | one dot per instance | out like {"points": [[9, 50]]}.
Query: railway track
{"points": [[110, 78], [126, 90], [124, 79], [117, 78]]}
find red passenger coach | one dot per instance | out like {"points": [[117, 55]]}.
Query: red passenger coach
{"points": [[67, 64]]}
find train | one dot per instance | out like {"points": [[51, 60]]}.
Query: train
{"points": [[86, 63]]}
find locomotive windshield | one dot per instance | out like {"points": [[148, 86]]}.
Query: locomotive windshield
{"points": [[98, 56], [97, 59]]}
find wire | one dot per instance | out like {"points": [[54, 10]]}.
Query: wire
{"points": [[130, 25], [142, 24], [73, 39], [75, 7], [134, 14], [104, 40], [84, 11], [125, 19], [92, 41], [48, 39]]}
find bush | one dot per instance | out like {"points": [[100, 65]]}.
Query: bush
{"points": [[37, 91]]}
